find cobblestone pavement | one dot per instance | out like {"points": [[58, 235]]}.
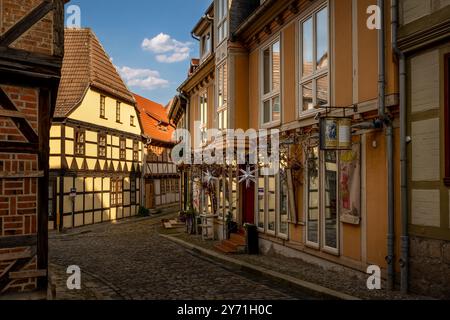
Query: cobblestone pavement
{"points": [[131, 261]]}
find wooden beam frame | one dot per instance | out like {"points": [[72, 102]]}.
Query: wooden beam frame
{"points": [[21, 123], [26, 23], [46, 102], [18, 241]]}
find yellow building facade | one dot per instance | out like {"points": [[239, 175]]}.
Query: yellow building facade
{"points": [[96, 147]]}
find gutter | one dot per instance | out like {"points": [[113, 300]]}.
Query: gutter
{"points": [[390, 258], [404, 260], [253, 17]]}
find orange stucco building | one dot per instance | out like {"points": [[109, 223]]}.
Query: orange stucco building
{"points": [[285, 65]]}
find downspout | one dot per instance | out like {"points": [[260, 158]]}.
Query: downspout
{"points": [[187, 120], [389, 145], [404, 260]]}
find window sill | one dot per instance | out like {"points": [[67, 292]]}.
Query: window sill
{"points": [[270, 125], [310, 114], [103, 118]]}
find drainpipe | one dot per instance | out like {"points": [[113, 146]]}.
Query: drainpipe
{"points": [[187, 120], [404, 260], [389, 145]]}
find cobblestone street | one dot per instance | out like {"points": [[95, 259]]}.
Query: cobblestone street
{"points": [[131, 261]]}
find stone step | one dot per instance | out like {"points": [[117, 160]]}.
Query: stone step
{"points": [[238, 239]]}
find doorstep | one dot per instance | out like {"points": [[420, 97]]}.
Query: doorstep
{"points": [[314, 289]]}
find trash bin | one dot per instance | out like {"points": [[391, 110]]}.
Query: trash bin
{"points": [[252, 239]]}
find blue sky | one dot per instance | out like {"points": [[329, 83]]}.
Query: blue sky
{"points": [[148, 40]]}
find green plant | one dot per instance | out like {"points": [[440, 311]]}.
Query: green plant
{"points": [[143, 212]]}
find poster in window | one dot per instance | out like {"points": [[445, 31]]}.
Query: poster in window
{"points": [[350, 185]]}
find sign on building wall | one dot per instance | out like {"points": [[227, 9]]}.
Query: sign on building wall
{"points": [[350, 185], [335, 133]]}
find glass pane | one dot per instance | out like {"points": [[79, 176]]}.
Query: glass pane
{"points": [[283, 205], [221, 199], [307, 47], [225, 84], [313, 195], [220, 120], [307, 96], [322, 39], [234, 199], [276, 66], [266, 118], [225, 119], [331, 200], [322, 91], [266, 61], [261, 206], [272, 204], [220, 87], [276, 110]]}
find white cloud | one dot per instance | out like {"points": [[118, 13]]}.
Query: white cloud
{"points": [[142, 78], [167, 50]]}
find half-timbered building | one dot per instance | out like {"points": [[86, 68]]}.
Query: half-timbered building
{"points": [[31, 53], [162, 187], [96, 145]]}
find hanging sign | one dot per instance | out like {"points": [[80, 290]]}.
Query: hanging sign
{"points": [[335, 133]]}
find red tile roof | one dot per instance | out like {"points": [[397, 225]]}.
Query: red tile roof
{"points": [[154, 119]]}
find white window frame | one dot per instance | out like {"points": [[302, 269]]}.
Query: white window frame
{"points": [[281, 235], [316, 74], [222, 109], [205, 44], [203, 116], [273, 93], [222, 20], [321, 244], [276, 232]]}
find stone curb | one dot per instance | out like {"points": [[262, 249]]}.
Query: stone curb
{"points": [[314, 289]]}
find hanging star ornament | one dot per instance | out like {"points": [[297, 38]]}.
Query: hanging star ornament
{"points": [[247, 176], [209, 178]]}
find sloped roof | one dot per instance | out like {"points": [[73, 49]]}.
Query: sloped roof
{"points": [[86, 64], [154, 119]]}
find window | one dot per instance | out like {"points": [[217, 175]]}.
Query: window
{"points": [[132, 121], [447, 119], [222, 23], [222, 85], [272, 205], [204, 117], [118, 111], [116, 192], [271, 74], [267, 210], [163, 187], [133, 190], [322, 211], [123, 149], [314, 80], [135, 150], [284, 205], [205, 44], [102, 107], [102, 145], [80, 142]]}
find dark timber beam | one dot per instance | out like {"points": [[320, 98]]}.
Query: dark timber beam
{"points": [[21, 123], [26, 23], [45, 106]]}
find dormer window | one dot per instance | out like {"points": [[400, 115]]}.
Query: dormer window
{"points": [[205, 43]]}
